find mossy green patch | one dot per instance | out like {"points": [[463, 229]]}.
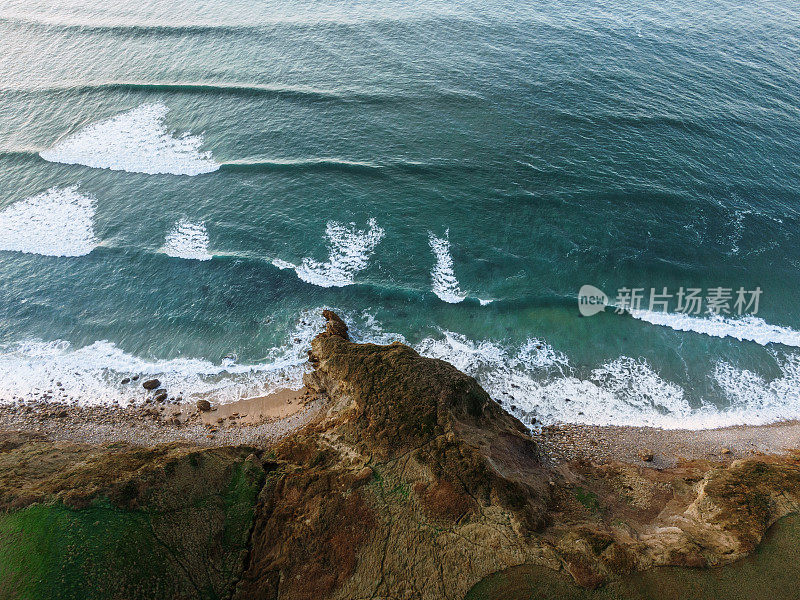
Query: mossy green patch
{"points": [[188, 542], [588, 499], [52, 551]]}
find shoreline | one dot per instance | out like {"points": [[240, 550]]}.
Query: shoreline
{"points": [[385, 450], [263, 420], [257, 421], [664, 448]]}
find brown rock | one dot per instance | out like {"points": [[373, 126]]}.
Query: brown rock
{"points": [[151, 384], [646, 455], [203, 405]]}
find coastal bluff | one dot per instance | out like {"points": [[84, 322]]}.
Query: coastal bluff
{"points": [[409, 482]]}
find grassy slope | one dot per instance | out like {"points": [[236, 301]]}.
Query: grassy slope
{"points": [[175, 547]]}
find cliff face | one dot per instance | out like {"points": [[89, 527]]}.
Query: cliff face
{"points": [[413, 483], [416, 485]]}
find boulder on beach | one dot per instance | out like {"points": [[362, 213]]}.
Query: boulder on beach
{"points": [[151, 384], [203, 405]]}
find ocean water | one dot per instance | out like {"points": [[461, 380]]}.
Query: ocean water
{"points": [[184, 185]]}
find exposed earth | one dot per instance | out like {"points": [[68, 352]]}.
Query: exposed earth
{"points": [[391, 476]]}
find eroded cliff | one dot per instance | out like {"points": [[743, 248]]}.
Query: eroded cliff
{"points": [[411, 483]]}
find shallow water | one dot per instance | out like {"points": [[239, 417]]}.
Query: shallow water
{"points": [[448, 173]]}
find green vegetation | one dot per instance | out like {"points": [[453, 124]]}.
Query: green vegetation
{"points": [[588, 499], [176, 546]]}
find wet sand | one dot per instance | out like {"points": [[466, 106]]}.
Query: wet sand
{"points": [[258, 409]]}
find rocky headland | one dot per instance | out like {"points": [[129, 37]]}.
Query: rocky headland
{"points": [[400, 478]]}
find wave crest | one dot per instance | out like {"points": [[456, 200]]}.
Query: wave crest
{"points": [[443, 277], [749, 328], [136, 141], [349, 252]]}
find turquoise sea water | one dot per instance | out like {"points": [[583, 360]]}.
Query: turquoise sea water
{"points": [[183, 185]]}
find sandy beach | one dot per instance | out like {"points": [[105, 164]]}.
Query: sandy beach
{"points": [[262, 420], [662, 448]]}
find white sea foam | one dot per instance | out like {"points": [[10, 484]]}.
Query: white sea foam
{"points": [[282, 264], [755, 400], [349, 252], [58, 222], [538, 384], [188, 240], [750, 328], [92, 374], [443, 277], [532, 379], [136, 141]]}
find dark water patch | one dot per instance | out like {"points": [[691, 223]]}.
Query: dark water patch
{"points": [[301, 94], [337, 165], [770, 573]]}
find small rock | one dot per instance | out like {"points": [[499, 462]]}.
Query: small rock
{"points": [[151, 384], [203, 405], [646, 455], [160, 396], [135, 378], [725, 451], [363, 475], [126, 380]]}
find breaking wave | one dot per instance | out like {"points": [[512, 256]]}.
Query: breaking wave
{"points": [[58, 222], [136, 141], [349, 252], [749, 328], [443, 277], [188, 240], [92, 374], [538, 385]]}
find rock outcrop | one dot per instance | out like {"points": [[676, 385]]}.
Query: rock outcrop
{"points": [[412, 483], [416, 484]]}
